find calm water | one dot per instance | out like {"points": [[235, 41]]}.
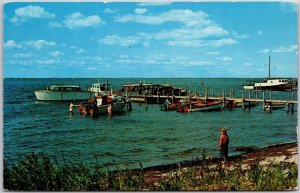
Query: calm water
{"points": [[149, 136]]}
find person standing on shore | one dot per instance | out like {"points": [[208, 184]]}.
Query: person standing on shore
{"points": [[223, 144]]}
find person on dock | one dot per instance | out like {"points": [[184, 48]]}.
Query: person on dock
{"points": [[223, 144], [109, 110]]}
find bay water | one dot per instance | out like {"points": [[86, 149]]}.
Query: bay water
{"points": [[144, 135]]}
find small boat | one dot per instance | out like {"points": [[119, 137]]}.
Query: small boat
{"points": [[100, 105], [63, 93], [275, 105], [168, 106], [201, 106], [234, 104]]}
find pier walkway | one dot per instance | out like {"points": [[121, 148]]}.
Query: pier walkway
{"points": [[245, 102]]}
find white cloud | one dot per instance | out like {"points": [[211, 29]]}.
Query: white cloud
{"points": [[140, 11], [196, 29], [260, 33], [186, 17], [11, 44], [79, 51], [154, 4], [288, 6], [238, 36], [212, 53], [200, 43], [264, 51], [118, 40], [39, 44], [247, 64], [56, 53], [225, 59], [187, 33], [30, 12], [221, 42], [291, 48], [22, 55], [77, 20], [110, 11]]}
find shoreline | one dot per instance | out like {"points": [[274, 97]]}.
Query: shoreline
{"points": [[286, 152]]}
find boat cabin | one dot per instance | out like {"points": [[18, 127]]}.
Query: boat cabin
{"points": [[67, 88], [100, 87]]}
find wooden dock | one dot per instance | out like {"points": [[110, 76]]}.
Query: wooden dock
{"points": [[246, 102]]}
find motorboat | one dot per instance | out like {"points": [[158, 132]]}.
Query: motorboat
{"points": [[63, 93], [276, 84], [101, 104]]}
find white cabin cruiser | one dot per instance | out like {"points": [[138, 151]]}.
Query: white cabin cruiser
{"points": [[63, 93], [276, 84], [272, 84]]}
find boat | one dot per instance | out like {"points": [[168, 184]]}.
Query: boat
{"points": [[274, 84], [274, 106], [63, 93], [201, 106], [168, 106], [99, 105], [138, 92], [103, 89]]}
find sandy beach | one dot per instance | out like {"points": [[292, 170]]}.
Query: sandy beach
{"points": [[282, 153]]}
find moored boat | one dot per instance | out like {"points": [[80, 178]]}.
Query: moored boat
{"points": [[274, 105], [63, 93], [103, 89], [101, 105], [275, 84], [201, 106], [139, 92]]}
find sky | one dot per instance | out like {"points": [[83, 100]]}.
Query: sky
{"points": [[150, 40]]}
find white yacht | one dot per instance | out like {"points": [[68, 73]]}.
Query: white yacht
{"points": [[63, 93]]}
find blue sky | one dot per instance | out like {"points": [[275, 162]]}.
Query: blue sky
{"points": [[110, 40]]}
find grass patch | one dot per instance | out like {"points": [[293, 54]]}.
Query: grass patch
{"points": [[39, 172]]}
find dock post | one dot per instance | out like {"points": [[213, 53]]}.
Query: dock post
{"points": [[290, 108], [243, 100], [232, 93], [126, 92], [270, 95], [157, 97], [249, 94], [189, 100], [256, 96], [264, 101], [146, 101], [223, 98]]}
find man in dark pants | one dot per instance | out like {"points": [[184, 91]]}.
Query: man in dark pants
{"points": [[223, 144]]}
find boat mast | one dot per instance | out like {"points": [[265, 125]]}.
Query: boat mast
{"points": [[269, 67]]}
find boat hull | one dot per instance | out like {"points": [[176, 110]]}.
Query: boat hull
{"points": [[46, 95], [207, 107], [116, 107]]}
